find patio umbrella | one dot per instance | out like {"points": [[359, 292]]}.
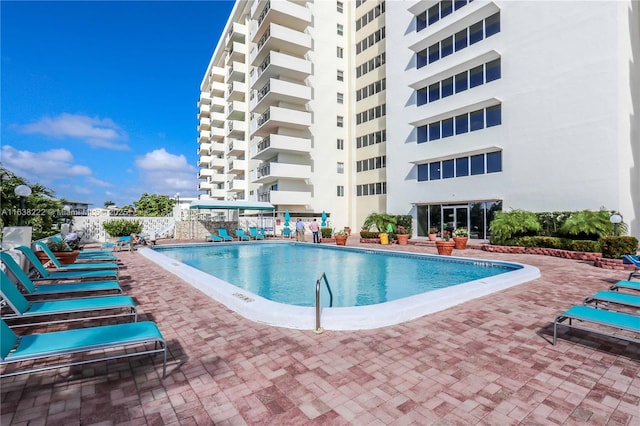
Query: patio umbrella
{"points": [[324, 219], [286, 218]]}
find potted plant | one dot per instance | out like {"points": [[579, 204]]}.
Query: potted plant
{"points": [[460, 237], [62, 251], [402, 235], [445, 245], [341, 238], [383, 222], [433, 234]]}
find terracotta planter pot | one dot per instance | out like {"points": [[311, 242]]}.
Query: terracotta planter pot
{"points": [[341, 240], [403, 239], [460, 242], [64, 257], [432, 237], [445, 248]]}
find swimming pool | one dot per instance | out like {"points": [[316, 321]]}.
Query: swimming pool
{"points": [[274, 282]]}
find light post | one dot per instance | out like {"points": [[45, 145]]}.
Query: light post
{"points": [[22, 191], [616, 219]]}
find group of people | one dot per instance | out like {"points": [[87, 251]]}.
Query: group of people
{"points": [[314, 227]]}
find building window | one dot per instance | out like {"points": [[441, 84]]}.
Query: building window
{"points": [[340, 98], [340, 121], [477, 164], [340, 144], [340, 192], [340, 167], [460, 167], [463, 123], [339, 6], [494, 162], [340, 29], [340, 75], [340, 52]]}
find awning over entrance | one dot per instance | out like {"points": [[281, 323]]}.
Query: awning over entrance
{"points": [[234, 205]]}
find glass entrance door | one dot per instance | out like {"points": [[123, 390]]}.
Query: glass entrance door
{"points": [[455, 217]]}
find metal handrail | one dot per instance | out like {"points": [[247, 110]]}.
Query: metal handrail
{"points": [[322, 275]]}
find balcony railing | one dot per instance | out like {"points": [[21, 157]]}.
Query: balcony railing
{"points": [[264, 38], [264, 117], [264, 170], [264, 144], [264, 12], [264, 91]]}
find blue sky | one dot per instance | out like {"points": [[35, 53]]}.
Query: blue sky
{"points": [[99, 99]]}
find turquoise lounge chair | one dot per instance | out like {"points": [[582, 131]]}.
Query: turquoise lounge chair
{"points": [[43, 274], [626, 284], [93, 254], [23, 309], [33, 347], [53, 289], [222, 232], [253, 232], [76, 266], [616, 297], [613, 319], [241, 235], [633, 260], [213, 238]]}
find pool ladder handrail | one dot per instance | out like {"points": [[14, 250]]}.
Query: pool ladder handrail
{"points": [[322, 276]]}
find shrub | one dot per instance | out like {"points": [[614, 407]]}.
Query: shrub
{"points": [[582, 245], [587, 225], [122, 227], [508, 226], [326, 232], [369, 234], [616, 247]]}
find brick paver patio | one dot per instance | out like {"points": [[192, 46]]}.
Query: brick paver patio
{"points": [[486, 362]]}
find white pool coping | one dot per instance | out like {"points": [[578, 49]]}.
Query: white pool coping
{"points": [[261, 310]]}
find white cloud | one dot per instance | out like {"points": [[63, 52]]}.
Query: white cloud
{"points": [[94, 131], [161, 160], [50, 165], [166, 173]]}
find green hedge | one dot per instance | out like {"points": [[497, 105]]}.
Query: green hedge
{"points": [[616, 247], [122, 227], [326, 232], [369, 234]]}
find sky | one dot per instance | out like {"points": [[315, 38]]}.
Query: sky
{"points": [[98, 100]]}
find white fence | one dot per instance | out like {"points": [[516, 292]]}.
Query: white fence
{"points": [[90, 227]]}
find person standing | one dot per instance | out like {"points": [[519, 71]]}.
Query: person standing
{"points": [[315, 229], [300, 230]]}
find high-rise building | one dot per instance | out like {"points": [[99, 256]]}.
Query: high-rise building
{"points": [[446, 110]]}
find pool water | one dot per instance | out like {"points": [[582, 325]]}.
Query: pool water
{"points": [[287, 272]]}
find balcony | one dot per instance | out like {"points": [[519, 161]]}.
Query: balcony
{"points": [[274, 117], [205, 99], [205, 174], [237, 167], [205, 124], [238, 185], [205, 186], [217, 74], [205, 110], [236, 128], [237, 32], [278, 64], [217, 133], [285, 13], [237, 71], [218, 178], [235, 110], [282, 39], [218, 88], [217, 104], [204, 149], [236, 91], [274, 144], [237, 52], [273, 171], [204, 161], [290, 197], [276, 91], [217, 163], [217, 148], [217, 119], [236, 147], [205, 136]]}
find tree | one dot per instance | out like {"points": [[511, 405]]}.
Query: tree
{"points": [[108, 203], [154, 205]]}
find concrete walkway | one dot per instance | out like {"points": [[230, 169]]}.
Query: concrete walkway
{"points": [[486, 362]]}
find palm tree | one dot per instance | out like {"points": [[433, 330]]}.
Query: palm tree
{"points": [[109, 203]]}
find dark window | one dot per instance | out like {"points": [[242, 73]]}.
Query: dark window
{"points": [[457, 4], [447, 169], [462, 124], [477, 164], [493, 70], [421, 21], [461, 39], [492, 24], [422, 58], [477, 120], [434, 171], [462, 82], [434, 92], [423, 172], [434, 131], [422, 134], [494, 115], [475, 33], [434, 13], [446, 47], [447, 87], [476, 76], [447, 127], [494, 162], [446, 7], [434, 52], [421, 96], [462, 166]]}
